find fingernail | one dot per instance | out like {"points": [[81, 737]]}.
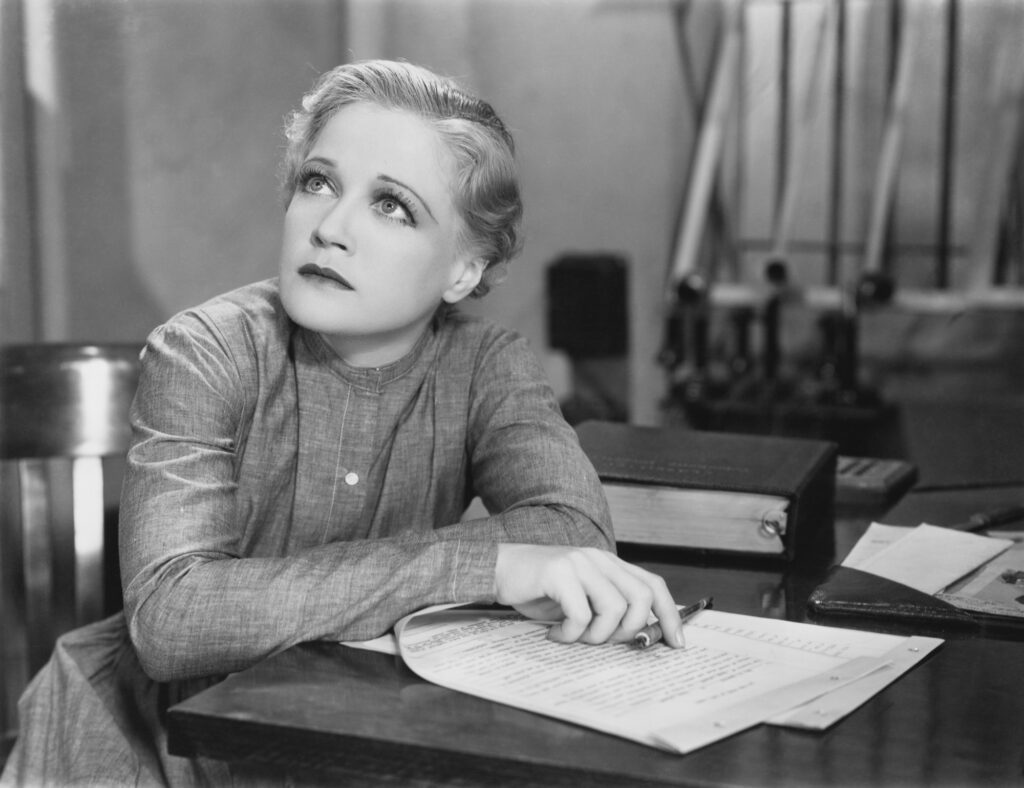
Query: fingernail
{"points": [[679, 639], [556, 634]]}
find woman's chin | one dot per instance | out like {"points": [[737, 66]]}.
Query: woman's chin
{"points": [[313, 308]]}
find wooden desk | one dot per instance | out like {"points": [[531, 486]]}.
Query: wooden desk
{"points": [[324, 713]]}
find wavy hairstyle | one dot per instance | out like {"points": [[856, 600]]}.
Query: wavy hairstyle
{"points": [[486, 185]]}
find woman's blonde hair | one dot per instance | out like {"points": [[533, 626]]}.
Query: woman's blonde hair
{"points": [[486, 185]]}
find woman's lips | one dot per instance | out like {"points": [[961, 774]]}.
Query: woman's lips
{"points": [[309, 269]]}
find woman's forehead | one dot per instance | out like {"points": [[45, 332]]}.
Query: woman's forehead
{"points": [[381, 130], [370, 134]]}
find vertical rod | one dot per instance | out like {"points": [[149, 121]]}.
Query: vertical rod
{"points": [[835, 218], [782, 148], [945, 229], [695, 101], [896, 9], [1017, 273], [703, 170], [739, 174], [1009, 248], [37, 560], [904, 34], [88, 525]]}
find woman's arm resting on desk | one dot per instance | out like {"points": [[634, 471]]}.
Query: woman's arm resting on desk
{"points": [[524, 452]]}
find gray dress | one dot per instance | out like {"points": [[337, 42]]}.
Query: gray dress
{"points": [[276, 495]]}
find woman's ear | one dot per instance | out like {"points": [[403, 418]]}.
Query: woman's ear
{"points": [[467, 273]]}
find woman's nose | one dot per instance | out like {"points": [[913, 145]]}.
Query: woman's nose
{"points": [[335, 227]]}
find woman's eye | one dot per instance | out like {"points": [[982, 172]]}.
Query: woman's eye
{"points": [[316, 184], [312, 181], [393, 209]]}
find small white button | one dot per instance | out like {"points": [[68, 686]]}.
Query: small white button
{"points": [[351, 478]]}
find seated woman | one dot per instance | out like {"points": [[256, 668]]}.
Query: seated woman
{"points": [[305, 447]]}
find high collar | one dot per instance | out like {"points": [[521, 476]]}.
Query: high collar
{"points": [[368, 378]]}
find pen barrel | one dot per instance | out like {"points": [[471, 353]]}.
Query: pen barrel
{"points": [[648, 636], [1008, 514]]}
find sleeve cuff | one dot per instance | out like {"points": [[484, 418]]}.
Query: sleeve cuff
{"points": [[473, 578]]}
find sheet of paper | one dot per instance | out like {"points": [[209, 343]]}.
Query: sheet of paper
{"points": [[877, 537], [736, 671], [930, 558], [385, 644], [829, 709]]}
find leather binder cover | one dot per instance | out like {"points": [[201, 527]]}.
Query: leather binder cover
{"points": [[851, 593], [798, 469], [848, 594]]}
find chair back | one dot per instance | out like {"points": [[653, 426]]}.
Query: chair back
{"points": [[64, 434]]}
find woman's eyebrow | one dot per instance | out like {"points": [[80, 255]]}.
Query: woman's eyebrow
{"points": [[408, 188], [322, 160]]}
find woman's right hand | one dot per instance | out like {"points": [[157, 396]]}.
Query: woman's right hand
{"points": [[594, 595]]}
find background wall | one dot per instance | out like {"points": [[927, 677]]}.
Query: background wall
{"points": [[156, 150], [19, 321], [143, 160]]}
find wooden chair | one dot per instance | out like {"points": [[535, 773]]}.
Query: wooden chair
{"points": [[64, 434]]}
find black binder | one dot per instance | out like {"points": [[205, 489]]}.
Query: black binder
{"points": [[801, 471]]}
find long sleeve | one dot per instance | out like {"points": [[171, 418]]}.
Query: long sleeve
{"points": [[227, 557], [527, 464]]}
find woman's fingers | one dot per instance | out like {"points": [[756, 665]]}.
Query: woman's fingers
{"points": [[662, 605], [576, 611], [646, 592], [600, 607], [633, 598], [668, 616], [601, 597]]}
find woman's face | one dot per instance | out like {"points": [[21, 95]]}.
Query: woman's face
{"points": [[370, 243]]}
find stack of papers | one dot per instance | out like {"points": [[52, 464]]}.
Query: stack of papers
{"points": [[973, 572], [736, 672]]}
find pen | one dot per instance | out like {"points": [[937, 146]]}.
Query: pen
{"points": [[652, 633], [983, 520]]}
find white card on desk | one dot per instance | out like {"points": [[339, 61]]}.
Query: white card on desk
{"points": [[930, 558], [875, 539]]}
